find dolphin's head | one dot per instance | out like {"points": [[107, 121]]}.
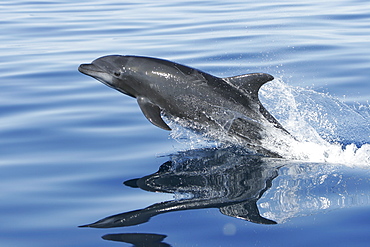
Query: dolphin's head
{"points": [[110, 70]]}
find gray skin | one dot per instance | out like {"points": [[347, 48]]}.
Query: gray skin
{"points": [[196, 99]]}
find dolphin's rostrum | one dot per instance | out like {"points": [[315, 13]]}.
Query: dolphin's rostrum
{"points": [[189, 96]]}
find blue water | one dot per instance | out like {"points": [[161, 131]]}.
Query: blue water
{"points": [[67, 142]]}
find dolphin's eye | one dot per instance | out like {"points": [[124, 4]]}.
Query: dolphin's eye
{"points": [[117, 73]]}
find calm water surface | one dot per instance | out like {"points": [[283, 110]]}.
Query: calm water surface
{"points": [[68, 142]]}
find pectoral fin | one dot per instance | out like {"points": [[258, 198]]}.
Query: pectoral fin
{"points": [[152, 112]]}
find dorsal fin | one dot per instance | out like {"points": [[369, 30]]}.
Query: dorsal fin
{"points": [[249, 83]]}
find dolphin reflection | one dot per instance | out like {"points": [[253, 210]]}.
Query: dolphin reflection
{"points": [[234, 181], [208, 178]]}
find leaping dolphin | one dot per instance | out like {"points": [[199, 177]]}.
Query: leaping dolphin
{"points": [[189, 96]]}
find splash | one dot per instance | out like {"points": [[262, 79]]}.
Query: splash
{"points": [[326, 129]]}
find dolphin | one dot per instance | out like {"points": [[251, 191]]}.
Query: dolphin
{"points": [[190, 97]]}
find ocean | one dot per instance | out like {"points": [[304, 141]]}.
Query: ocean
{"points": [[74, 151]]}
